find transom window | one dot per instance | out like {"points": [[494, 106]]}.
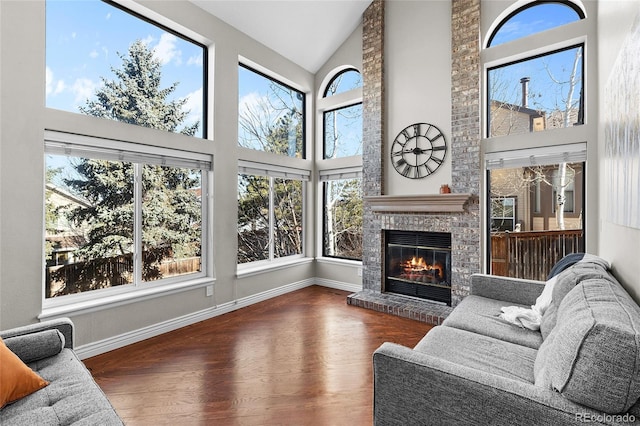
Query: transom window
{"points": [[105, 61], [344, 81], [533, 18], [271, 114]]}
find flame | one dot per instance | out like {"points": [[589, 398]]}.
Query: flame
{"points": [[419, 265]]}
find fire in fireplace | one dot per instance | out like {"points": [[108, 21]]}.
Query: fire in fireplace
{"points": [[419, 264]]}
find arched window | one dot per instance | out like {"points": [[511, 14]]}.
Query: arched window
{"points": [[540, 92], [344, 81], [534, 18], [342, 135], [341, 172]]}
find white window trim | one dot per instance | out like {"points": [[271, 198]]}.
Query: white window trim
{"points": [[94, 147]]}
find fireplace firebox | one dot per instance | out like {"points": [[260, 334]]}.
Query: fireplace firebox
{"points": [[418, 264]]}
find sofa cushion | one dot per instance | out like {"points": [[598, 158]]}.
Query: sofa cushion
{"points": [[590, 267], [592, 355], [17, 380], [72, 397], [481, 315], [479, 352], [35, 346]]}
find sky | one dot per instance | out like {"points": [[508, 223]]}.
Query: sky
{"points": [[533, 20], [84, 40]]}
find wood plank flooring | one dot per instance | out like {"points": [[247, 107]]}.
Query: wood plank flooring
{"points": [[303, 358]]}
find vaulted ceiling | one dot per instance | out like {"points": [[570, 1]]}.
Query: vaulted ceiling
{"points": [[306, 32]]}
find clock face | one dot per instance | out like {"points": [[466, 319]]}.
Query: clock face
{"points": [[418, 150]]}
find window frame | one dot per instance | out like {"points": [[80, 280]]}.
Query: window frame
{"points": [[513, 13], [575, 33], [62, 143], [205, 61], [324, 178], [513, 61], [325, 93], [273, 172], [256, 69], [324, 127]]}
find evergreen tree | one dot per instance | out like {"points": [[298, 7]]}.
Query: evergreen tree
{"points": [[171, 210], [135, 95]]}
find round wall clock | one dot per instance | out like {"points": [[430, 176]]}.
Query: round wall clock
{"points": [[418, 150]]}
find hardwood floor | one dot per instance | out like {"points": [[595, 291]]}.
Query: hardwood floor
{"points": [[303, 358]]}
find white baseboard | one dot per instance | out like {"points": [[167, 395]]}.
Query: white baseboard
{"points": [[338, 285], [105, 345]]}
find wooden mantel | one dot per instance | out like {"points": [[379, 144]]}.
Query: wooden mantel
{"points": [[430, 203]]}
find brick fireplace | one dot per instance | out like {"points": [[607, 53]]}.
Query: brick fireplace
{"points": [[456, 213]]}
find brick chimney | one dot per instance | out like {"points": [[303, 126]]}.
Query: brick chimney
{"points": [[525, 91]]}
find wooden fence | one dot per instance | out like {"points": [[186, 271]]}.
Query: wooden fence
{"points": [[108, 272], [532, 254]]}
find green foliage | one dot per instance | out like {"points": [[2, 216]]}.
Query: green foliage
{"points": [[135, 96]]}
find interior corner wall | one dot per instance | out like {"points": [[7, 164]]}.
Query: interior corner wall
{"points": [[619, 244]]}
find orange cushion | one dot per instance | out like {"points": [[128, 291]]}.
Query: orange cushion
{"points": [[17, 380]]}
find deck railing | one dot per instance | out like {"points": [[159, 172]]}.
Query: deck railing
{"points": [[532, 254]]}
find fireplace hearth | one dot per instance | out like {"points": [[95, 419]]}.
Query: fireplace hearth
{"points": [[418, 264]]}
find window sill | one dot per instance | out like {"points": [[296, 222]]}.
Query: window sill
{"points": [[250, 270], [119, 299], [337, 261]]}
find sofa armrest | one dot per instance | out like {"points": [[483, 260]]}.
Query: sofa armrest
{"points": [[64, 325], [514, 290], [411, 387]]}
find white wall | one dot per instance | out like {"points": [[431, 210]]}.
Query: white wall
{"points": [[618, 244], [22, 124], [417, 73]]}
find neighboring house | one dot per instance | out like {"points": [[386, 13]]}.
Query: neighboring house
{"points": [[527, 197], [62, 236], [507, 118]]}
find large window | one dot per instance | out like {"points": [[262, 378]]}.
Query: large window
{"points": [[119, 216], [105, 61], [270, 114], [536, 192], [341, 172], [270, 221]]}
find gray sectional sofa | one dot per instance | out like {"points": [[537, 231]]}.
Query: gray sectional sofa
{"points": [[581, 366], [72, 396]]}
